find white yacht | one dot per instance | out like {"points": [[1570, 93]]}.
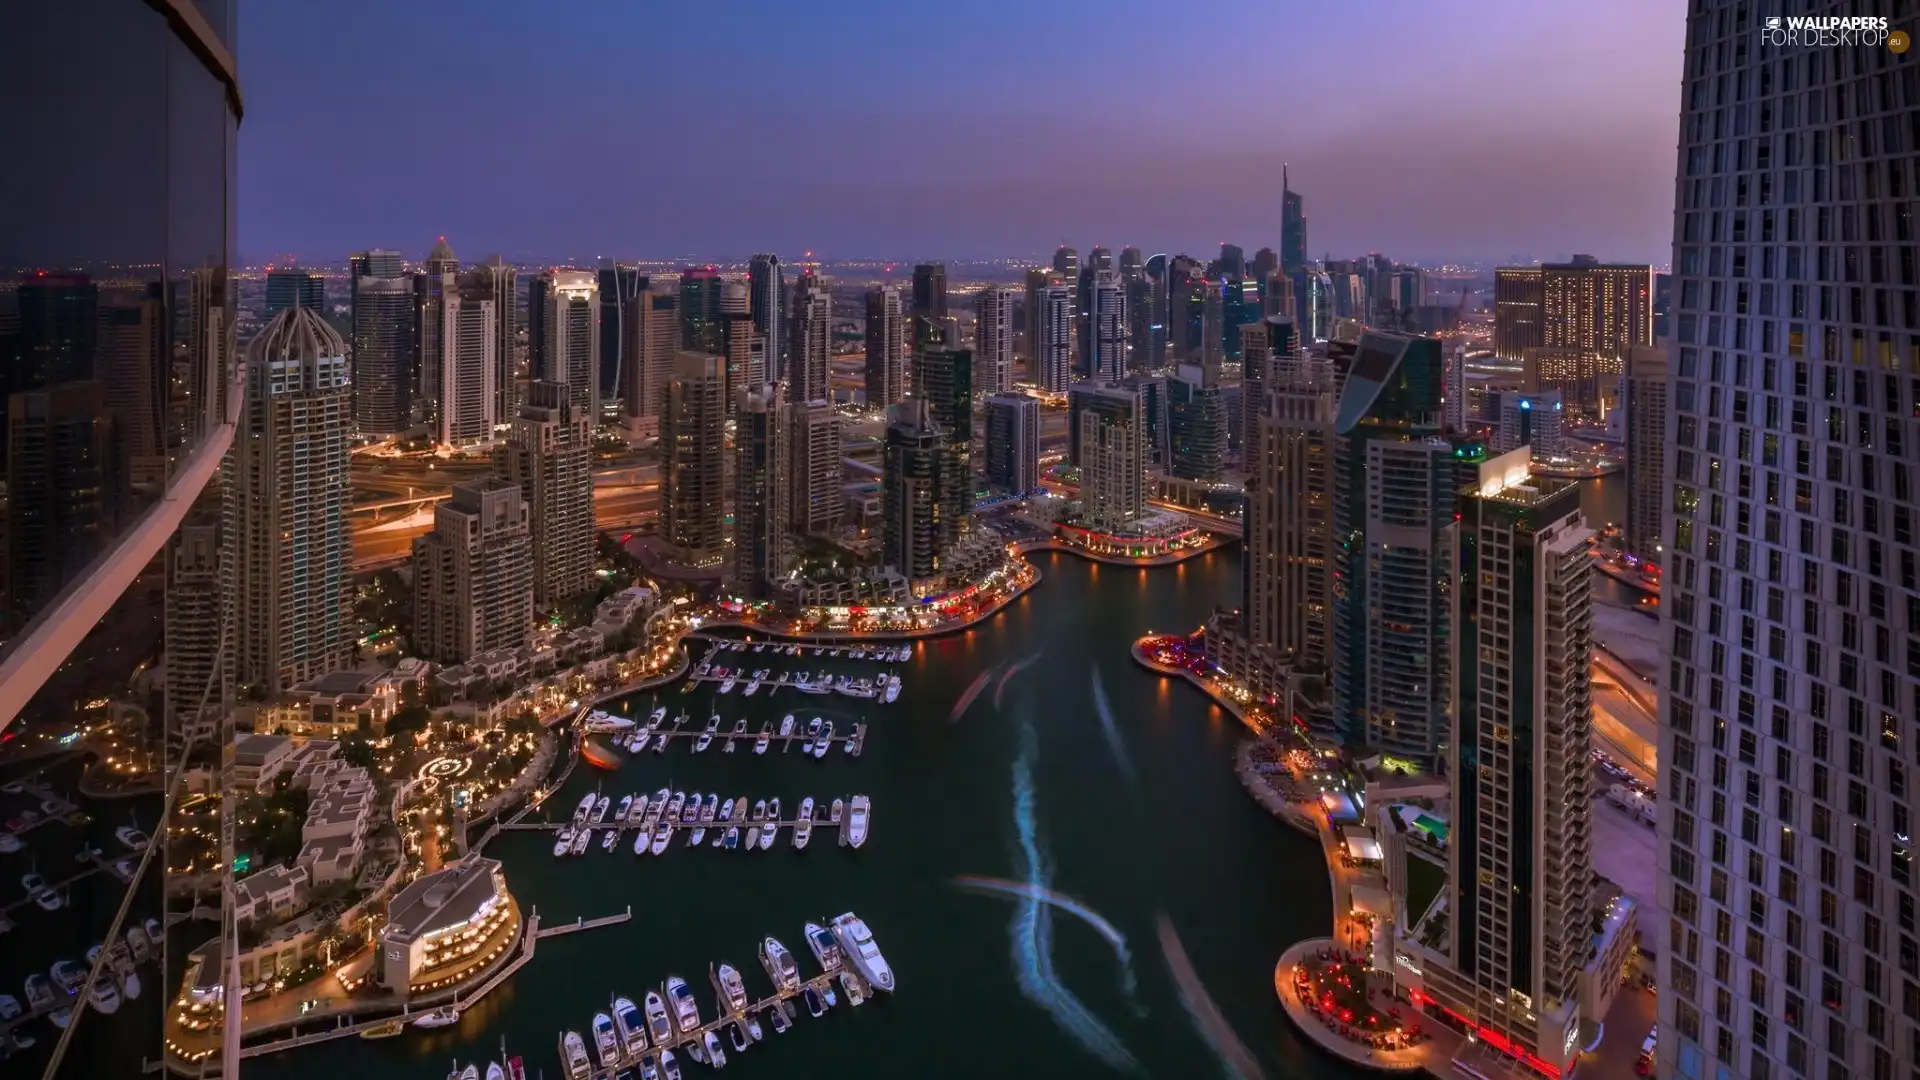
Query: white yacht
{"points": [[639, 812], [708, 811], [658, 1025], [892, 692], [726, 686], [138, 944], [642, 841], [803, 828], [780, 966], [726, 812], [839, 808], [627, 1022], [659, 713], [563, 841], [600, 806], [759, 810], [573, 1054], [103, 997], [625, 808], [733, 991], [772, 828], [753, 838], [850, 986], [753, 685], [686, 1011], [766, 737], [716, 1056], [826, 740], [611, 838], [856, 941], [584, 810], [786, 725], [580, 841], [857, 821], [675, 804], [669, 1065], [130, 836], [813, 730], [825, 949], [661, 838]]}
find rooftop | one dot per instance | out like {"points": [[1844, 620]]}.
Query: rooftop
{"points": [[256, 750], [443, 898]]}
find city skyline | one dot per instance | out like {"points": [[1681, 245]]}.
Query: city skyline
{"points": [[1484, 174]]}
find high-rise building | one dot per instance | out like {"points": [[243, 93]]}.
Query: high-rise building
{"points": [[814, 493], [652, 328], [1521, 943], [469, 350], [1648, 496], [1052, 363], [1454, 390], [1133, 264], [1232, 262], [809, 331], [376, 263], [433, 285], [501, 280], [931, 324], [1533, 421], [1156, 415], [383, 315], [473, 574], [1106, 336], [1293, 227], [993, 345], [198, 683], [539, 300], [1601, 308], [1013, 443], [289, 572], [1787, 731], [1261, 343], [1289, 515], [1146, 333], [1266, 263], [1518, 315], [571, 325], [1197, 424], [693, 424], [131, 341], [914, 479], [618, 286], [1066, 265], [295, 287], [886, 348], [1097, 260], [549, 454], [748, 366], [1239, 306], [59, 483], [767, 298], [700, 309], [943, 378], [760, 483], [1113, 464], [1393, 494]]}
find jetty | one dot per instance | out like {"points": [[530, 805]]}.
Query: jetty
{"points": [[665, 732]]}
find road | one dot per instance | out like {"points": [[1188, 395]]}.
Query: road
{"points": [[615, 506], [1623, 728]]}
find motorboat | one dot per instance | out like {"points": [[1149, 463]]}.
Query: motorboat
{"points": [[778, 1018], [120, 960], [760, 647], [892, 692], [726, 812], [737, 1035], [658, 1024], [780, 966], [658, 714], [61, 1017], [753, 837], [700, 744], [708, 811], [495, 1072], [813, 728], [727, 684], [666, 739], [649, 1068], [669, 1065], [600, 806], [660, 800], [851, 747], [825, 948], [827, 995], [438, 1018], [739, 727], [733, 991], [642, 841], [859, 688], [772, 828], [838, 809], [786, 725], [606, 1045], [629, 1026], [753, 686], [607, 722], [766, 737], [753, 1027], [9, 1007], [580, 841], [803, 826], [639, 814], [814, 1005], [138, 944], [732, 838], [573, 1055], [857, 821], [826, 740], [585, 810], [626, 807], [68, 975], [39, 992], [760, 810], [155, 932], [686, 1011], [862, 952], [661, 837], [676, 804], [104, 998], [716, 1056], [611, 838], [32, 882], [47, 899], [740, 808]]}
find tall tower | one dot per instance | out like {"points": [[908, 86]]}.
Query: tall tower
{"points": [[815, 499], [766, 288], [1393, 495], [469, 349], [886, 348], [760, 483], [700, 309], [652, 328], [693, 422], [295, 287], [571, 324], [501, 280], [1052, 364], [473, 574], [374, 263], [747, 350], [549, 454], [1106, 302], [1518, 298], [433, 285], [914, 480], [198, 683], [286, 494], [1289, 514], [943, 378], [618, 286], [1013, 443], [993, 347], [932, 324], [1197, 424], [383, 314], [1113, 447], [810, 348], [1647, 409], [1293, 227]]}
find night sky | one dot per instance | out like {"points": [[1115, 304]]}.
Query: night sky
{"points": [[1469, 130]]}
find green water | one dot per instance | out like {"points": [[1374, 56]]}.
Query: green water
{"points": [[1237, 885]]}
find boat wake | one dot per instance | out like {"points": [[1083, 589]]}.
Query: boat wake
{"points": [[1032, 931], [1016, 668], [1016, 890], [1112, 732], [972, 691], [1213, 1026]]}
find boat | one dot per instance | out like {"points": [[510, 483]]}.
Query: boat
{"points": [[660, 800], [580, 841], [600, 806], [753, 1027], [39, 992], [760, 810], [642, 841], [386, 1029], [438, 1018], [740, 808], [661, 837], [563, 841], [753, 837], [739, 727], [726, 685], [61, 1017], [737, 1035], [732, 990], [629, 1026], [669, 1066], [753, 687], [732, 838], [132, 837], [516, 1068], [9, 1007], [606, 1046], [640, 806], [32, 882], [585, 810], [155, 932], [835, 813], [659, 713], [726, 811], [716, 1056], [47, 899], [649, 1068], [813, 729], [812, 998], [780, 966], [778, 1018], [68, 976], [700, 744], [859, 688], [766, 737], [786, 725], [857, 821], [573, 1056], [686, 1011], [707, 812], [661, 746], [826, 740], [611, 838], [122, 964], [626, 807], [892, 692], [803, 826], [658, 1025], [606, 722], [862, 952], [772, 828], [675, 805], [103, 997], [827, 995], [495, 1072], [138, 944], [825, 949], [471, 1072], [851, 987], [9, 844]]}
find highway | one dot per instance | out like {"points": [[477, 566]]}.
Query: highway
{"points": [[615, 506], [1622, 727]]}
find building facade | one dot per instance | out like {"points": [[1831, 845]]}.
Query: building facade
{"points": [[913, 496], [469, 349], [943, 378], [693, 425], [548, 454], [760, 481], [1646, 406], [815, 498], [383, 335], [810, 344], [651, 327], [993, 339], [1113, 464], [1289, 515], [886, 364], [473, 574], [1531, 420], [930, 322], [1013, 443], [1051, 366], [1106, 336], [570, 324]]}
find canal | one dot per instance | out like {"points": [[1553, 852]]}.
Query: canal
{"points": [[1169, 830]]}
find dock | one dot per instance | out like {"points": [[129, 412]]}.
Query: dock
{"points": [[665, 733]]}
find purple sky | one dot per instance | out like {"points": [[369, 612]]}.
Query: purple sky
{"points": [[1474, 130]]}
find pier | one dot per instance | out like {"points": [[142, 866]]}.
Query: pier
{"points": [[681, 1042], [666, 732]]}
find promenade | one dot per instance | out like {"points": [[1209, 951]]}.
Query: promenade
{"points": [[1214, 543], [1027, 582]]}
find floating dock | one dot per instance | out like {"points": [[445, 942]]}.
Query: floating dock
{"points": [[666, 733]]}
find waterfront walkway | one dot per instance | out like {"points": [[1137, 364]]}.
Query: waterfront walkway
{"points": [[817, 636], [1214, 543], [1403, 1060]]}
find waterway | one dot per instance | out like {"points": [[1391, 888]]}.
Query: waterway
{"points": [[1169, 831]]}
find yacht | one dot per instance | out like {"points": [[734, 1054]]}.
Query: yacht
{"points": [[573, 1054], [779, 964], [753, 838], [859, 688], [753, 1027], [761, 647], [68, 975], [740, 808], [739, 727], [155, 932], [606, 1046], [660, 800], [826, 740], [778, 1018], [649, 1070], [803, 826], [676, 804], [825, 949], [819, 687], [669, 1066], [857, 821], [580, 841], [661, 837], [495, 1072], [705, 740], [666, 740], [585, 810], [716, 1056], [726, 685], [851, 747], [737, 1035], [733, 991], [786, 725], [103, 997], [753, 685], [851, 987], [600, 806], [39, 992], [726, 812], [120, 960], [708, 811], [813, 729], [642, 841], [837, 811], [732, 838], [686, 1011], [611, 838], [760, 810], [626, 807], [639, 742], [659, 713], [856, 941], [892, 693], [130, 836], [138, 945], [632, 1029], [812, 998], [639, 813], [658, 1025]]}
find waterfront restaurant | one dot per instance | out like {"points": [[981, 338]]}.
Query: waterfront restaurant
{"points": [[1160, 536], [447, 926]]}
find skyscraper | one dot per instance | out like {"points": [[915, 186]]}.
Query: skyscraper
{"points": [[1098, 260], [289, 576], [571, 327], [813, 488], [1233, 261], [433, 285], [809, 326], [473, 574], [693, 441], [1013, 443], [1266, 263], [1532, 421], [295, 287], [760, 483], [549, 455], [383, 314], [539, 300], [1289, 513], [993, 346], [1518, 293], [59, 483], [748, 364], [500, 280], [1052, 362], [1112, 457], [700, 309], [943, 378], [652, 328], [1106, 348], [1393, 495], [469, 350], [931, 324], [197, 681], [767, 298], [378, 263], [1293, 227], [618, 285], [1648, 495], [914, 478], [1197, 423], [886, 348]]}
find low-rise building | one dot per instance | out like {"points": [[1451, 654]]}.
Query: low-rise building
{"points": [[336, 704], [270, 895], [259, 759], [438, 925]]}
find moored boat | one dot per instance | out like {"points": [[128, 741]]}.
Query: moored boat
{"points": [[659, 1026], [563, 841], [850, 985], [857, 821], [803, 827], [669, 1065], [862, 952], [838, 811], [573, 1056], [661, 838], [438, 1018], [686, 1011], [606, 1046], [580, 841], [733, 991], [629, 1026], [779, 964], [825, 949], [716, 1056]]}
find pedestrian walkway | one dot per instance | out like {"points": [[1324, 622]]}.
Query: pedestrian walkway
{"points": [[1405, 1060]]}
